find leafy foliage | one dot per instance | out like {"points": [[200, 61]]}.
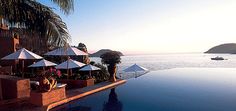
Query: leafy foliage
{"points": [[36, 17], [53, 73], [111, 58], [66, 5], [82, 47], [102, 75]]}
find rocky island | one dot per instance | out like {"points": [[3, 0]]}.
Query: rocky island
{"points": [[228, 48], [102, 51]]}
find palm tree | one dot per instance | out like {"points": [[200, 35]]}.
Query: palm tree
{"points": [[36, 17], [111, 58]]}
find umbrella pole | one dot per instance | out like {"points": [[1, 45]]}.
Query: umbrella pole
{"points": [[22, 68], [70, 71], [67, 67], [16, 68], [67, 73], [90, 75], [83, 59]]}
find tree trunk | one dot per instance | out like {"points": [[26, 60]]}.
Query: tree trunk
{"points": [[112, 72]]}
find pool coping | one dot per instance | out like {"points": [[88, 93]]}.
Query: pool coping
{"points": [[82, 92]]}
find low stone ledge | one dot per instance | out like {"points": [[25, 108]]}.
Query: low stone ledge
{"points": [[45, 98], [77, 83], [14, 87], [85, 92]]}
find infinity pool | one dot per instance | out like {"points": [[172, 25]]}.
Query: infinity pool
{"points": [[180, 89]]}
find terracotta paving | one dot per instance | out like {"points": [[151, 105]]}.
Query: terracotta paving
{"points": [[24, 105]]}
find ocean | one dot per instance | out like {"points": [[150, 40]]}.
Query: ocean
{"points": [[193, 82], [177, 60], [178, 89]]}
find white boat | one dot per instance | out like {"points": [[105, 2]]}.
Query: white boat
{"points": [[218, 58]]}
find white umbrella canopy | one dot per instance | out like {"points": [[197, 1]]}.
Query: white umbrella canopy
{"points": [[66, 51], [22, 54], [89, 68], [43, 63], [135, 68], [70, 64]]}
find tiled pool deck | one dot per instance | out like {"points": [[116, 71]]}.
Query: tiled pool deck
{"points": [[24, 105]]}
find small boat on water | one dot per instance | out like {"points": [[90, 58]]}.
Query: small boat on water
{"points": [[218, 58]]}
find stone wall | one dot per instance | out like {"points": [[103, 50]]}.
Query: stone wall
{"points": [[14, 87]]}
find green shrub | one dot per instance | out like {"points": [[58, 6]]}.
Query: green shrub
{"points": [[102, 75]]}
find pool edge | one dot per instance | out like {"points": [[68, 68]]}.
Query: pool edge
{"points": [[87, 91]]}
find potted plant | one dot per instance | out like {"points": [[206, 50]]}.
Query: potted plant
{"points": [[85, 80], [78, 81], [111, 59], [46, 91], [47, 80]]}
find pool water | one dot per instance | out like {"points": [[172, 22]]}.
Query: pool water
{"points": [[180, 89]]}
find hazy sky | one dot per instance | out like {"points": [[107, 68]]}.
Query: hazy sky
{"points": [[152, 26]]}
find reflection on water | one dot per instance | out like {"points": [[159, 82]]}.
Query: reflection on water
{"points": [[113, 103], [181, 89], [110, 104], [130, 75], [69, 107]]}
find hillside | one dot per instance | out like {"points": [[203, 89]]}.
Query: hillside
{"points": [[102, 51], [228, 48]]}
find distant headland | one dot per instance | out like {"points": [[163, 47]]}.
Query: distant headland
{"points": [[228, 48], [102, 51]]}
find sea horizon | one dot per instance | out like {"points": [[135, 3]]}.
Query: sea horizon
{"points": [[161, 61], [127, 53]]}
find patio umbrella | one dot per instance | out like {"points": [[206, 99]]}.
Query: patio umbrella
{"points": [[69, 64], [70, 51], [135, 68], [43, 63], [22, 54], [89, 68]]}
